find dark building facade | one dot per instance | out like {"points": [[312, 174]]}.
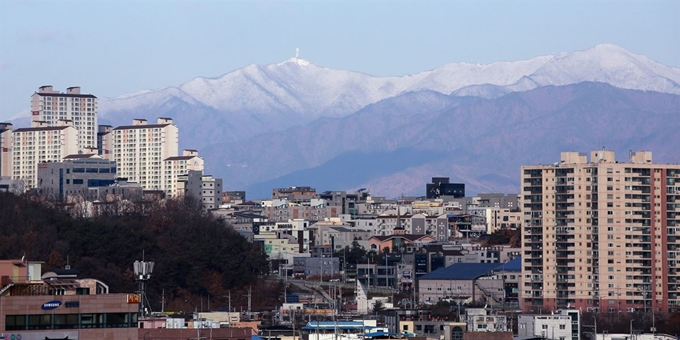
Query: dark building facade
{"points": [[441, 186]]}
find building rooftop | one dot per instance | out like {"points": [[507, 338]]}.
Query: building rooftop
{"points": [[471, 271], [179, 158], [42, 128], [409, 237], [144, 126], [59, 94], [77, 156]]}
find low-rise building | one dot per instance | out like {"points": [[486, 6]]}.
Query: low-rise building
{"points": [[563, 325], [74, 176], [204, 188], [62, 305]]}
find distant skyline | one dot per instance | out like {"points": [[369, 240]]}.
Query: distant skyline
{"points": [[113, 48]]}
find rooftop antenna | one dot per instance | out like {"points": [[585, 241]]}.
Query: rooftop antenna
{"points": [[297, 53], [143, 272]]}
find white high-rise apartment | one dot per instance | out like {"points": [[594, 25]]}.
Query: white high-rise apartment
{"points": [[5, 149], [52, 106], [38, 144], [140, 149], [173, 167], [600, 234]]}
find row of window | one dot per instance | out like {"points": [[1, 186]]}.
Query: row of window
{"points": [[70, 321]]}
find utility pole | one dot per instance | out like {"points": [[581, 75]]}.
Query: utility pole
{"points": [[594, 326], [250, 295], [229, 310]]}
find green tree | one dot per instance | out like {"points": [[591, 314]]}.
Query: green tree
{"points": [[378, 307]]}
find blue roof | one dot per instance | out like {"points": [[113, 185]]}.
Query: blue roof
{"points": [[471, 271], [460, 271], [514, 265]]}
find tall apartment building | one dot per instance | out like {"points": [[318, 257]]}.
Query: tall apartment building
{"points": [[39, 144], [173, 167], [601, 235], [52, 106], [140, 149], [5, 149]]}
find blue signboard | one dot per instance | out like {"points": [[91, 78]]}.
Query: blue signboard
{"points": [[51, 304]]}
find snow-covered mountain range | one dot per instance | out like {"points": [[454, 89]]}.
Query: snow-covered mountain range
{"points": [[298, 123], [312, 91]]}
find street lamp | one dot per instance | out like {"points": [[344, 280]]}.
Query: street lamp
{"points": [[458, 300], [631, 329]]}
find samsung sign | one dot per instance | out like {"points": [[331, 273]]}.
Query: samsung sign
{"points": [[51, 305]]}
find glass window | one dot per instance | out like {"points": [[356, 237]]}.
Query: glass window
{"points": [[15, 322], [39, 321]]}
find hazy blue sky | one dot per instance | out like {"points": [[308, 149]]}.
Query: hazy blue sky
{"points": [[114, 47]]}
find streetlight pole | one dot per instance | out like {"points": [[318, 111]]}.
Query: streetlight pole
{"points": [[631, 329]]}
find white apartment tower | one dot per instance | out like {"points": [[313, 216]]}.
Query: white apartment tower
{"points": [[173, 167], [38, 144], [140, 149], [601, 235], [52, 106], [5, 149]]}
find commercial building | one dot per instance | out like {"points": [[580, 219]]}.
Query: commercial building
{"points": [[52, 106], [601, 234], [489, 283], [39, 144], [317, 266], [60, 305], [74, 176], [140, 149]]}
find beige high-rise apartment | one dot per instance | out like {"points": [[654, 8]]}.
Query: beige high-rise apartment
{"points": [[140, 149], [52, 106], [600, 234], [38, 144], [174, 167], [5, 149]]}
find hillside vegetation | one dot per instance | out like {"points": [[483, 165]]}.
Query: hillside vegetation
{"points": [[195, 254]]}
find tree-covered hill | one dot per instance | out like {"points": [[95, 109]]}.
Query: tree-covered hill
{"points": [[195, 254]]}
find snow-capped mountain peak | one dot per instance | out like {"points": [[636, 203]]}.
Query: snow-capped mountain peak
{"points": [[297, 61], [309, 90]]}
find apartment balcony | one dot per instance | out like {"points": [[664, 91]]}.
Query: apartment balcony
{"points": [[536, 279]]}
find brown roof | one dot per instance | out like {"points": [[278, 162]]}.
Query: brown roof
{"points": [[179, 158], [42, 128], [88, 155], [56, 94], [145, 126]]}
